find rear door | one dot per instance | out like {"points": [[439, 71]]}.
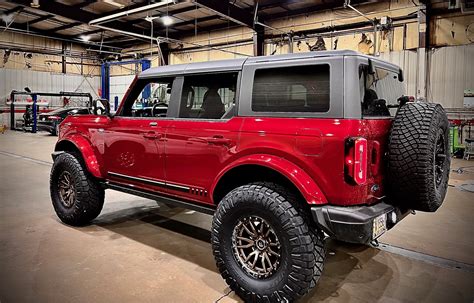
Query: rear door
{"points": [[204, 135], [134, 139]]}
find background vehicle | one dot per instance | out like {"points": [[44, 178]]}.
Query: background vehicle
{"points": [[50, 121], [281, 150]]}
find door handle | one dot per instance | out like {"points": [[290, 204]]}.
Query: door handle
{"points": [[153, 123], [152, 135], [219, 140]]}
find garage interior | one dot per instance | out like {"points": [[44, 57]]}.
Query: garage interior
{"points": [[57, 53]]}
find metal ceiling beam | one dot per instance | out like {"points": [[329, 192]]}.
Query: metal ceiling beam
{"points": [[275, 3], [181, 10], [310, 9], [84, 4], [228, 11], [160, 30], [202, 29], [26, 29], [40, 19], [66, 11], [65, 26], [95, 31], [13, 10]]}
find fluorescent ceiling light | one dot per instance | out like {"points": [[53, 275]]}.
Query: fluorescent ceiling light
{"points": [[112, 2], [131, 12], [167, 20], [85, 38]]}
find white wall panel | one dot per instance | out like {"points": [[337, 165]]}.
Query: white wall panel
{"points": [[13, 79], [118, 87], [452, 71], [407, 60]]}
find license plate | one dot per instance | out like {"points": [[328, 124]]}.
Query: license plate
{"points": [[380, 226]]}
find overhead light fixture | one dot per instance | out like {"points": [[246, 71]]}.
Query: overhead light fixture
{"points": [[85, 38], [114, 3], [35, 4], [129, 12], [150, 18], [167, 20]]}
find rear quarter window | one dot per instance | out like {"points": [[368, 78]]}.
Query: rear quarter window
{"points": [[291, 89]]}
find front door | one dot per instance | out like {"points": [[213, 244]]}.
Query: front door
{"points": [[134, 139], [204, 135]]}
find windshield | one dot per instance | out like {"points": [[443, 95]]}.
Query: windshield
{"points": [[380, 92]]}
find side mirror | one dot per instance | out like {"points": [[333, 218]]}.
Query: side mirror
{"points": [[371, 69], [400, 75], [101, 107]]}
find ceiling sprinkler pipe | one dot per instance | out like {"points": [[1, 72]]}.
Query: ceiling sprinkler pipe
{"points": [[347, 3], [165, 39]]}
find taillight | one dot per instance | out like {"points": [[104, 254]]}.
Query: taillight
{"points": [[54, 118], [356, 160]]}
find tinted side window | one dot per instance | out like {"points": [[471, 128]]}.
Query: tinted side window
{"points": [[208, 96], [291, 89], [379, 92]]}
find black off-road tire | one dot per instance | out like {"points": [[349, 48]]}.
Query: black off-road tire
{"points": [[89, 195], [317, 235], [302, 249], [418, 157]]}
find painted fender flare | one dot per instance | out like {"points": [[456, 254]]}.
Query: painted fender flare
{"points": [[85, 148], [305, 184]]}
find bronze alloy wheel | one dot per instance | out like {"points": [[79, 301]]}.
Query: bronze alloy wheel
{"points": [[77, 197], [256, 247], [67, 191], [263, 246]]}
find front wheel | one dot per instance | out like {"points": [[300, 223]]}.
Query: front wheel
{"points": [[55, 131], [77, 197], [263, 247]]}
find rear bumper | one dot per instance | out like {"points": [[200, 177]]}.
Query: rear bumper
{"points": [[354, 224]]}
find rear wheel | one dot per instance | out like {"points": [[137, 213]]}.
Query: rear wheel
{"points": [[77, 197], [263, 246]]}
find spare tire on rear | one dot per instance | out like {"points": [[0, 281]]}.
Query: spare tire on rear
{"points": [[418, 157]]}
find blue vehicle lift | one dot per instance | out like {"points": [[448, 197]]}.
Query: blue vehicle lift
{"points": [[105, 76], [34, 97]]}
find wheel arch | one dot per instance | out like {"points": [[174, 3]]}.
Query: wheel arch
{"points": [[82, 146], [267, 168]]}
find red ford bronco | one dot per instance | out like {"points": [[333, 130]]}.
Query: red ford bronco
{"points": [[281, 150]]}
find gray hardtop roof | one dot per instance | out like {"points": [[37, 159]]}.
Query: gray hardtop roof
{"points": [[236, 64]]}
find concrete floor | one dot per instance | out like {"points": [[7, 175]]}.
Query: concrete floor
{"points": [[139, 251]]}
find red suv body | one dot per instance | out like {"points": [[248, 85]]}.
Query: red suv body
{"points": [[315, 125]]}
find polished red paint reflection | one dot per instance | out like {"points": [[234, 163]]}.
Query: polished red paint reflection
{"points": [[195, 154]]}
